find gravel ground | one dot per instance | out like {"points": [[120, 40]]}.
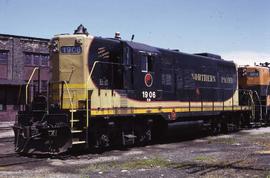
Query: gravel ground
{"points": [[242, 154]]}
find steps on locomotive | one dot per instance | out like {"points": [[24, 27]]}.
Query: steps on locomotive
{"points": [[78, 128], [128, 138], [257, 124]]}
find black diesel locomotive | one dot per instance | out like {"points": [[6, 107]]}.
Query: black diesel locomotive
{"points": [[108, 91]]}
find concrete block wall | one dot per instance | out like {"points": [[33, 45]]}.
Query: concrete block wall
{"points": [[15, 68]]}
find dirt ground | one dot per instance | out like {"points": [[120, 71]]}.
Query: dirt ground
{"points": [[241, 154]]}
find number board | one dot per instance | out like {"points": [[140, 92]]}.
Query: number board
{"points": [[71, 50]]}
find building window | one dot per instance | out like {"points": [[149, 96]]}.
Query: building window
{"points": [[3, 56], [2, 107], [16, 107], [28, 59], [45, 60], [44, 85], [35, 85], [36, 59]]}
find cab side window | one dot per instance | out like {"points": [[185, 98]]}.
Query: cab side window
{"points": [[147, 63]]}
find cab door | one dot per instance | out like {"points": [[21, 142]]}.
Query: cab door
{"points": [[146, 76], [128, 80]]}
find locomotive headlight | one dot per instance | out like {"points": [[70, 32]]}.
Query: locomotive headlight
{"points": [[54, 46], [78, 41], [244, 72]]}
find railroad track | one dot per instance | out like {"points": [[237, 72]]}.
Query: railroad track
{"points": [[13, 159], [9, 155], [6, 139]]}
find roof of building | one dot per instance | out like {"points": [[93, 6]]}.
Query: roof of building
{"points": [[12, 82], [27, 37]]}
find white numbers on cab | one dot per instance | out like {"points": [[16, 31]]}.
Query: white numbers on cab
{"points": [[149, 94]]}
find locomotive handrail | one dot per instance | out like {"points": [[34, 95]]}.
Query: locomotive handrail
{"points": [[86, 93], [69, 95], [250, 93], [234, 103], [28, 83], [72, 109], [66, 84], [87, 85], [260, 104]]}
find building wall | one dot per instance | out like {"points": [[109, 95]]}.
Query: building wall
{"points": [[18, 57]]}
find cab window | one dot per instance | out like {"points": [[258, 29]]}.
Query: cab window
{"points": [[147, 63]]}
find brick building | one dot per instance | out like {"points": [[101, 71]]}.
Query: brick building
{"points": [[18, 57]]}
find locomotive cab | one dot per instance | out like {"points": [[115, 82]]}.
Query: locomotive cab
{"points": [[256, 79]]}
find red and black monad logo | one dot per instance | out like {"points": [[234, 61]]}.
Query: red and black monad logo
{"points": [[148, 80]]}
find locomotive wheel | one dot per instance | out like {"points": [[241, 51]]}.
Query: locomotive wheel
{"points": [[143, 132], [224, 127], [215, 127]]}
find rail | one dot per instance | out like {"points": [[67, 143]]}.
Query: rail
{"points": [[87, 86], [260, 104], [65, 83], [87, 94], [69, 95], [28, 83], [216, 99]]}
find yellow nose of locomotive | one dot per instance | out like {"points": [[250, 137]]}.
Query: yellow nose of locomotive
{"points": [[69, 56]]}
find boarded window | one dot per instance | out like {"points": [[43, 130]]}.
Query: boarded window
{"points": [[3, 99], [35, 85], [36, 59], [2, 107], [28, 59], [3, 56], [44, 85], [45, 60]]}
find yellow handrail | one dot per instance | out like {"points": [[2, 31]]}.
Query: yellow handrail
{"points": [[86, 93], [87, 84], [26, 88], [70, 100], [66, 84]]}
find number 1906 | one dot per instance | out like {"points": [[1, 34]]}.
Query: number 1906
{"points": [[149, 94]]}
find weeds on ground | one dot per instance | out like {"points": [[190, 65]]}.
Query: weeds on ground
{"points": [[148, 163], [204, 158], [227, 141]]}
